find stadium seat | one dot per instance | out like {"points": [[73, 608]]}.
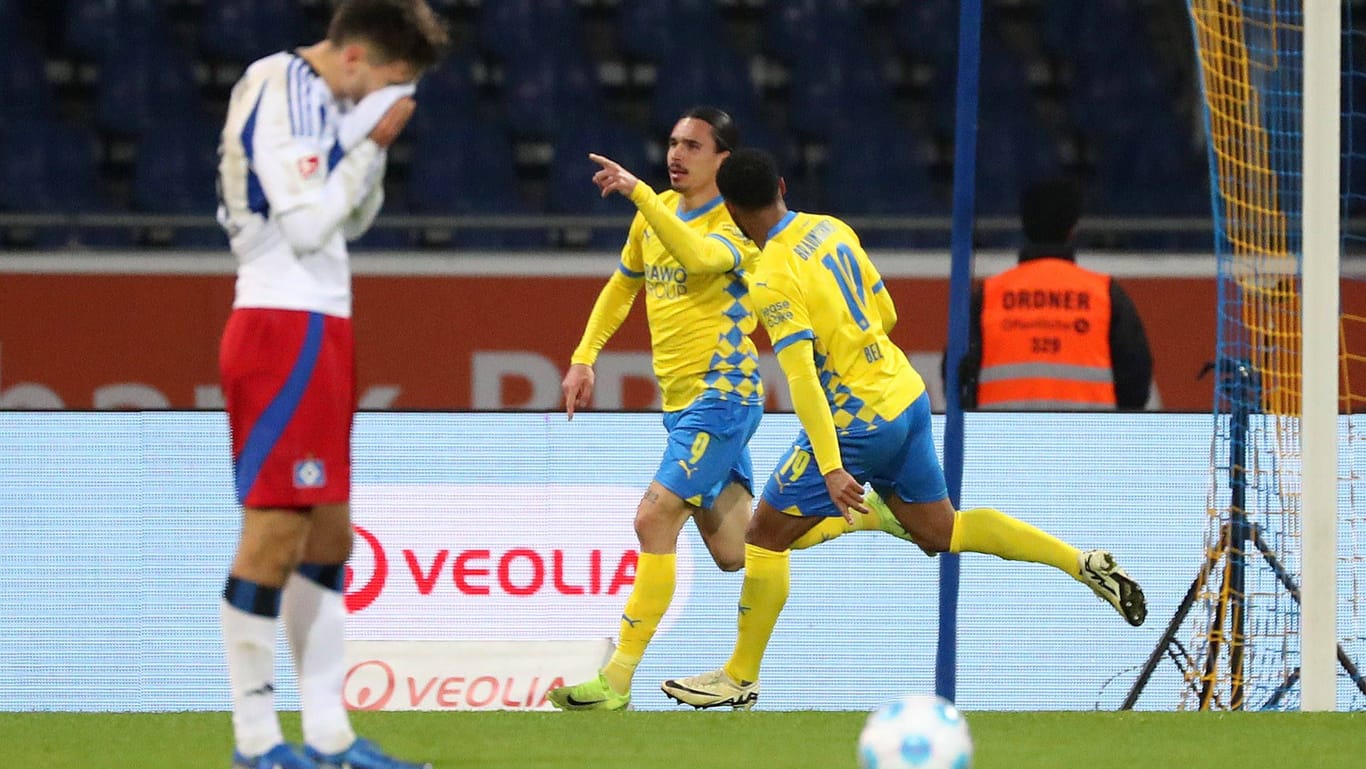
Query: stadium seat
{"points": [[138, 89], [48, 166], [51, 167], [246, 30], [176, 173], [873, 169], [833, 87], [9, 20], [708, 73], [650, 29], [515, 29], [571, 189], [926, 30], [539, 91], [23, 84], [1095, 29], [1013, 149], [447, 93], [468, 169], [94, 29], [796, 29]]}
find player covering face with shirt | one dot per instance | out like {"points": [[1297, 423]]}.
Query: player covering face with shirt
{"points": [[303, 158], [688, 256]]}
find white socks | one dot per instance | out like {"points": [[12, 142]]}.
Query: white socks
{"points": [[249, 641], [315, 622]]}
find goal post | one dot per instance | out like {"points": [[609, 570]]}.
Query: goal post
{"points": [[1275, 617], [1319, 352], [1268, 637]]}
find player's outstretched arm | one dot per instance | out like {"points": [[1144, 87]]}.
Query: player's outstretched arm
{"points": [[697, 253]]}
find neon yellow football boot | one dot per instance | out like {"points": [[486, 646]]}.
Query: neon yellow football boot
{"points": [[595, 694], [886, 520]]}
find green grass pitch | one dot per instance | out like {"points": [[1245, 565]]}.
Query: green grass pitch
{"points": [[688, 740]]}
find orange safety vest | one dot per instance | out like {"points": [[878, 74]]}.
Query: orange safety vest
{"points": [[1046, 338]]}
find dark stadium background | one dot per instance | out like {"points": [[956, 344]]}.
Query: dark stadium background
{"points": [[111, 107]]}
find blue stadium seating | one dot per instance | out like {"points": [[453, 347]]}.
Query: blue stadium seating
{"points": [[448, 91], [468, 168], [23, 84], [50, 167], [927, 30], [540, 92], [649, 29], [1114, 92], [833, 87], [140, 88], [706, 73], [868, 173], [513, 29], [246, 30], [176, 168], [571, 189], [797, 29], [175, 173], [94, 29]]}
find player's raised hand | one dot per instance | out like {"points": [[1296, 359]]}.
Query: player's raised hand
{"points": [[388, 128], [611, 177], [577, 387], [846, 492]]}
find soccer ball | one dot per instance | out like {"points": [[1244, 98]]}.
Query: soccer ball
{"points": [[918, 731]]}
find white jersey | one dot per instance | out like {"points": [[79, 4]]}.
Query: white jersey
{"points": [[279, 145]]}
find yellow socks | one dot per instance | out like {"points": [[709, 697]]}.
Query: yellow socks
{"points": [[984, 530], [650, 598], [761, 600]]}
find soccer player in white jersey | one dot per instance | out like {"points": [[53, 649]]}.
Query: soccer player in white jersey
{"points": [[303, 157]]}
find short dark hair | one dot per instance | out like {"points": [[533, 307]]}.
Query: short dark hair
{"points": [[748, 179], [398, 30], [723, 129], [1049, 210]]}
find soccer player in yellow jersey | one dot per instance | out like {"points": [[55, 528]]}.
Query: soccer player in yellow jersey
{"points": [[687, 254], [865, 419]]}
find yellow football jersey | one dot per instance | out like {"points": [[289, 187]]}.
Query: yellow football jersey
{"points": [[814, 281], [699, 324]]}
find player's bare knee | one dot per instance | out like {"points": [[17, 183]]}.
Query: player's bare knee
{"points": [[730, 562], [929, 524], [265, 561]]}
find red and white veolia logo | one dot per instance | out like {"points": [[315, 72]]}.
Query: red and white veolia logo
{"points": [[355, 601], [373, 683], [363, 696], [517, 572]]}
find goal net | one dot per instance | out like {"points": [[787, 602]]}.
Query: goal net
{"points": [[1245, 626]]}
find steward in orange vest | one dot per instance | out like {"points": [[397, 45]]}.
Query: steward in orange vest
{"points": [[1048, 334]]}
